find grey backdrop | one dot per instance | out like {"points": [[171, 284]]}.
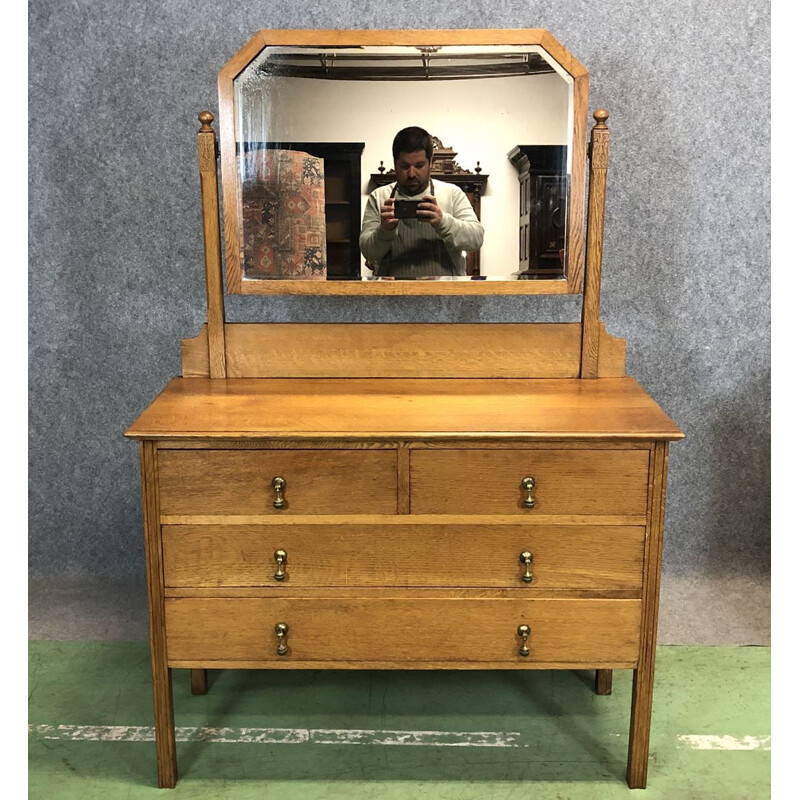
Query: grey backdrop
{"points": [[116, 258]]}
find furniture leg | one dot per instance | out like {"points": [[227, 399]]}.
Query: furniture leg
{"points": [[639, 741], [162, 675], [199, 681], [602, 681]]}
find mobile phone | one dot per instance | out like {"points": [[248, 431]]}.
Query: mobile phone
{"points": [[406, 209]]}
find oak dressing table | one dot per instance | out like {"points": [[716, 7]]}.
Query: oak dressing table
{"points": [[316, 495]]}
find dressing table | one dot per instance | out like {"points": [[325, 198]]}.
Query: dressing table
{"points": [[403, 496]]}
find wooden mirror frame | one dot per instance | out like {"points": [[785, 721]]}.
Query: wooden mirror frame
{"points": [[572, 284]]}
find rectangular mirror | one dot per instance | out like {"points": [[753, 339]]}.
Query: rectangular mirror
{"points": [[307, 124]]}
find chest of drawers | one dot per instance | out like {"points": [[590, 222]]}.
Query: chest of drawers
{"points": [[372, 540]]}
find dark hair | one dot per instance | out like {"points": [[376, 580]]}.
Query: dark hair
{"points": [[409, 140]]}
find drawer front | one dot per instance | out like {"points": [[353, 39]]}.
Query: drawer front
{"points": [[241, 481], [397, 630], [485, 555], [592, 482]]}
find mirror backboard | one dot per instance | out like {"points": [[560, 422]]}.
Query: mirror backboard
{"points": [[307, 120]]}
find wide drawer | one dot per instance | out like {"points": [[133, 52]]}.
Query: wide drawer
{"points": [[591, 482], [241, 481], [397, 630], [468, 555]]}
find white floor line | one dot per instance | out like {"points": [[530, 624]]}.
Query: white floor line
{"points": [[133, 733], [708, 742]]}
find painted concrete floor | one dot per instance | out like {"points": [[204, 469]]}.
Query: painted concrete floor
{"points": [[365, 735]]}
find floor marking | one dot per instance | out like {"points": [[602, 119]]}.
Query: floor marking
{"points": [[134, 733], [708, 742]]}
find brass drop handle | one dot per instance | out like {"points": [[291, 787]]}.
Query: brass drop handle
{"points": [[279, 484], [527, 487], [280, 559], [524, 631], [524, 558], [282, 629]]}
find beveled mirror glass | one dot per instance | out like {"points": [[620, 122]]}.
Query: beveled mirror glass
{"points": [[307, 124]]}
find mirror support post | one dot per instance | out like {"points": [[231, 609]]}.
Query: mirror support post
{"points": [[209, 193], [590, 316]]}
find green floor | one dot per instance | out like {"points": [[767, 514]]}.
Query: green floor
{"points": [[443, 735]]}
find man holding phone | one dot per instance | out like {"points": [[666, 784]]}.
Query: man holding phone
{"points": [[418, 226]]}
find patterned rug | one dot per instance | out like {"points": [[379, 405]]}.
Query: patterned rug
{"points": [[283, 210]]}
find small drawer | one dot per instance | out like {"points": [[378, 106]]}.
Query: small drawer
{"points": [[594, 558], [399, 631], [244, 481], [574, 482]]}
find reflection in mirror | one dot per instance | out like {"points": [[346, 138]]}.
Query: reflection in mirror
{"points": [[314, 129]]}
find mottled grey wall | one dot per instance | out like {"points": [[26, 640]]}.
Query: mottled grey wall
{"points": [[116, 260]]}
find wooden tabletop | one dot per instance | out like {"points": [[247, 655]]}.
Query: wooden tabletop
{"points": [[390, 407]]}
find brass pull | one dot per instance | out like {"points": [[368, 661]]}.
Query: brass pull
{"points": [[282, 629], [527, 487], [280, 560], [524, 631], [524, 558], [279, 484]]}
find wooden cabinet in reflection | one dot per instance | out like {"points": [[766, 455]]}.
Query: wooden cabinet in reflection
{"points": [[543, 196]]}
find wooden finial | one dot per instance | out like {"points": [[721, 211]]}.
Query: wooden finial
{"points": [[206, 118], [600, 117]]}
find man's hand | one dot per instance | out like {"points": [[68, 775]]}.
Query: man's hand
{"points": [[388, 220], [429, 211]]}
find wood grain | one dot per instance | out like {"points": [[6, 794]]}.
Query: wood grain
{"points": [[590, 318], [244, 408], [215, 301], [444, 555], [402, 631], [240, 481], [566, 481], [643, 675], [387, 350], [166, 759]]}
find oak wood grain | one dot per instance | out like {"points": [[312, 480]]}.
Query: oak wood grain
{"points": [[590, 317], [166, 758], [643, 675], [240, 481], [566, 481], [405, 631], [388, 350], [603, 557], [215, 300], [196, 408]]}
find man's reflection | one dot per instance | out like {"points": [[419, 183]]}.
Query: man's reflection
{"points": [[432, 240]]}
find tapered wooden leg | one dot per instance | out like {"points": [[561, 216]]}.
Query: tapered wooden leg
{"points": [[639, 741], [642, 696], [199, 681], [162, 676], [165, 728], [602, 681]]}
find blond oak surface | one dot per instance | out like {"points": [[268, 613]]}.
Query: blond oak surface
{"points": [[565, 481], [241, 481], [402, 350], [401, 630], [580, 557], [385, 407]]}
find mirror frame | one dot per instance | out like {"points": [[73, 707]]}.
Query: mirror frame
{"points": [[231, 202]]}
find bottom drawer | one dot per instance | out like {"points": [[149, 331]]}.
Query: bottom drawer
{"points": [[375, 632]]}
